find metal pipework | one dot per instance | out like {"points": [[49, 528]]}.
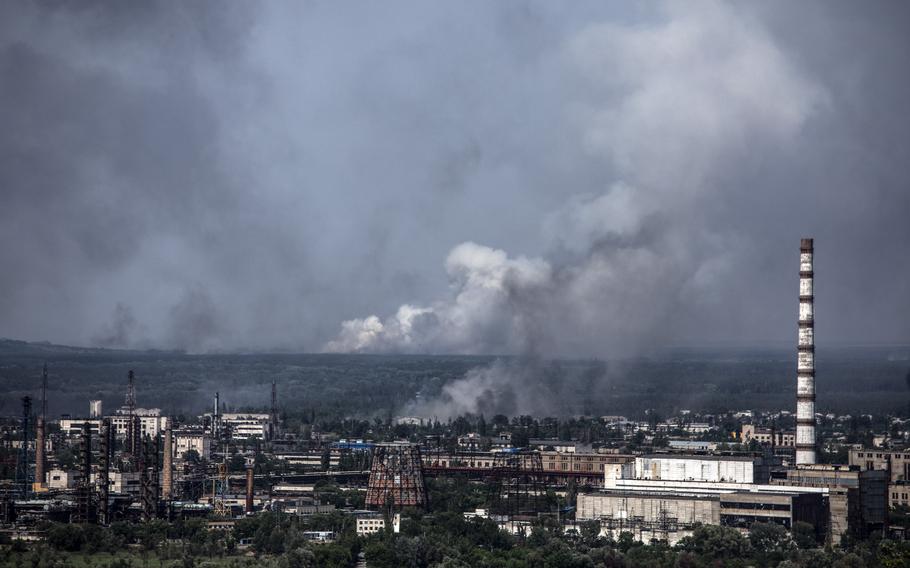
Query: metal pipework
{"points": [[104, 472]]}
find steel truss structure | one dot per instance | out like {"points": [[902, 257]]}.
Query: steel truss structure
{"points": [[517, 485], [396, 477]]}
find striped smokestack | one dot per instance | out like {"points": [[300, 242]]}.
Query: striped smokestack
{"points": [[805, 369]]}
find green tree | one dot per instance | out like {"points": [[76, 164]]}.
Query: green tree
{"points": [[67, 537], [804, 535], [590, 534], [716, 543], [770, 537]]}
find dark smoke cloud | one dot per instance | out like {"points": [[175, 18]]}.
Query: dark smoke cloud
{"points": [[121, 331], [196, 323], [598, 179]]}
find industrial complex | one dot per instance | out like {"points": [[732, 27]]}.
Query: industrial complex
{"points": [[136, 463]]}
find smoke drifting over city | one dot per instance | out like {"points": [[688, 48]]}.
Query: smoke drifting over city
{"points": [[596, 179]]}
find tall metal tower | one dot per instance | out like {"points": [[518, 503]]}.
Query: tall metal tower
{"points": [[104, 471], [805, 370], [85, 510], [22, 468], [131, 392], [219, 491], [44, 392], [273, 413], [148, 477], [39, 435], [132, 436]]}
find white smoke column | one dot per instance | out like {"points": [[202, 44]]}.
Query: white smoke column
{"points": [[483, 281]]}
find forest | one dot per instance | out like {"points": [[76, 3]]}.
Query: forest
{"points": [[849, 380]]}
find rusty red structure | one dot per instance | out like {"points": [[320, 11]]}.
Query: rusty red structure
{"points": [[396, 477]]}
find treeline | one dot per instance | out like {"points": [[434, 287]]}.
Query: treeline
{"points": [[442, 537], [450, 541], [275, 541], [337, 386], [441, 540]]}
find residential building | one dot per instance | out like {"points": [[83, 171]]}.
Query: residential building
{"points": [[768, 436]]}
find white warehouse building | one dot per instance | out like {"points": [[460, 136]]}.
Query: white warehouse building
{"points": [[716, 469]]}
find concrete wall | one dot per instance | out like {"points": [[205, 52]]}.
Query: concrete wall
{"points": [[691, 468], [619, 506]]}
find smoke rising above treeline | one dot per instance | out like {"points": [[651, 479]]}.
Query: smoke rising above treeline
{"points": [[599, 179]]}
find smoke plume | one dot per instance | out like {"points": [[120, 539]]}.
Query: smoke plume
{"points": [[535, 178], [625, 263]]}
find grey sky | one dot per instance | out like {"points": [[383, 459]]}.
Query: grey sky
{"points": [[569, 179]]}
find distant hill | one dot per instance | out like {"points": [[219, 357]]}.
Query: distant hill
{"points": [[17, 347]]}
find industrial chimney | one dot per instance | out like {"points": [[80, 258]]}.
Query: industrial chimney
{"points": [[167, 473], [40, 443], [805, 369], [250, 464]]}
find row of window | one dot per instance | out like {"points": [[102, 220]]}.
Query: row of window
{"points": [[881, 455], [761, 506]]}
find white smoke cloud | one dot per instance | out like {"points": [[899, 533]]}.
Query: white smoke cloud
{"points": [[483, 282]]}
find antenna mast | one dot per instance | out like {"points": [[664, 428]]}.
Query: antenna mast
{"points": [[44, 393]]}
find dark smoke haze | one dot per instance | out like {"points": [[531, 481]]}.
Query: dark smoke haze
{"points": [[541, 178]]}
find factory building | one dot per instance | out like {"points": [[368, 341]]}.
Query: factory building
{"points": [[897, 465], [246, 426], [694, 467], [588, 462], [310, 460], [674, 513], [899, 494], [857, 500], [665, 496], [72, 427], [151, 423], [195, 439], [661, 516], [61, 479]]}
